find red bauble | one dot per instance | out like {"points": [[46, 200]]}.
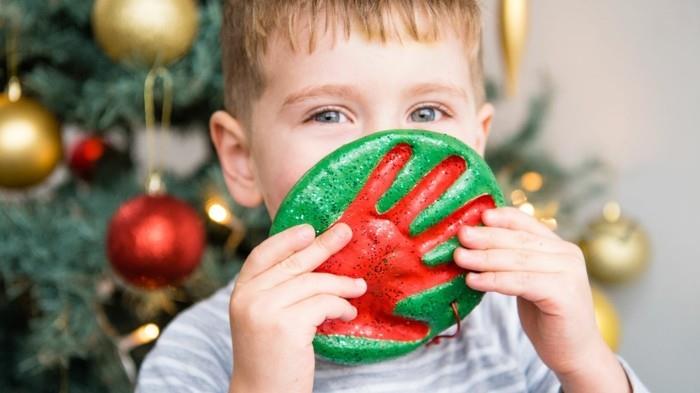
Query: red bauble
{"points": [[155, 240], [85, 156]]}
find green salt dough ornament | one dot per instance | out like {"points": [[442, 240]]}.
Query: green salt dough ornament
{"points": [[404, 193]]}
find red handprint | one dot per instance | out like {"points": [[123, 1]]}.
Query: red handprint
{"points": [[387, 257]]}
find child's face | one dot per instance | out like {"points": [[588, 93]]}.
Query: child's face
{"points": [[314, 103]]}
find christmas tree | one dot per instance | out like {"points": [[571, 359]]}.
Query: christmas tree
{"points": [[78, 316]]}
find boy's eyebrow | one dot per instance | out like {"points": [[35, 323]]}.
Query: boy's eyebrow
{"points": [[433, 87], [348, 91], [322, 90]]}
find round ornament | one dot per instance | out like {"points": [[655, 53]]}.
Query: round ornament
{"points": [[30, 142], [153, 32], [155, 240], [616, 249], [606, 319], [85, 156], [405, 194]]}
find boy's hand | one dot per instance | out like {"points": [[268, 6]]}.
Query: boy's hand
{"points": [[515, 254], [277, 303]]}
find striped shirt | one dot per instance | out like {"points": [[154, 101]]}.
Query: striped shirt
{"points": [[490, 354]]}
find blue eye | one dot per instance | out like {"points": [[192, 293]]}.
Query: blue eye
{"points": [[426, 114], [329, 116]]}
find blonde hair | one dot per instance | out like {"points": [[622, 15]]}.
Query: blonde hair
{"points": [[249, 24]]}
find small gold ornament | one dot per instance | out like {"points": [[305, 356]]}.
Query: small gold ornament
{"points": [[513, 34], [606, 319], [30, 139], [145, 32], [616, 248], [30, 142]]}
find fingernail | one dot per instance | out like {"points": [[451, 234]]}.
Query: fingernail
{"points": [[306, 232], [360, 283], [475, 276]]}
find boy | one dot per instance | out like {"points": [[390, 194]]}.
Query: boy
{"points": [[302, 78]]}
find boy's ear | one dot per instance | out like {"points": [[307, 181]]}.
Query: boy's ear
{"points": [[233, 148], [484, 118]]}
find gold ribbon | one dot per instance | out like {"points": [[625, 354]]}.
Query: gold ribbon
{"points": [[14, 88], [154, 184]]}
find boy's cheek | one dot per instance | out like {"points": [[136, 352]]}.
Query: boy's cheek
{"points": [[280, 180], [276, 191], [291, 162]]}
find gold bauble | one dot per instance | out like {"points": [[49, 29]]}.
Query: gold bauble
{"points": [[616, 250], [606, 319], [513, 34], [145, 32], [30, 142]]}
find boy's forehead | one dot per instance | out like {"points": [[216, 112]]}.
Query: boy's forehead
{"points": [[304, 33], [337, 65]]}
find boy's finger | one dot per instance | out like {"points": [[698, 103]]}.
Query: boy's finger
{"points": [[512, 218], [275, 249], [491, 237], [307, 259], [503, 260], [316, 309], [315, 283], [534, 287]]}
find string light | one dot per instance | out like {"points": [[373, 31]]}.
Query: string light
{"points": [[147, 333], [143, 335], [531, 181], [518, 197], [527, 208], [550, 222], [218, 213]]}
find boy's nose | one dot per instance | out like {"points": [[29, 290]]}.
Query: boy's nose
{"points": [[384, 120]]}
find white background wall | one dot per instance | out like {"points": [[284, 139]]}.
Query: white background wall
{"points": [[627, 89]]}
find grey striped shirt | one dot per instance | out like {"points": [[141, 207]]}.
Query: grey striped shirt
{"points": [[491, 354]]}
